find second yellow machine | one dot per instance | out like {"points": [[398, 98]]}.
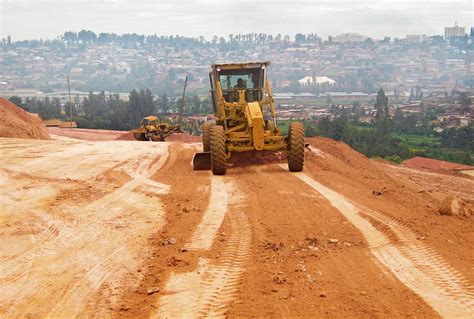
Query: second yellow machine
{"points": [[244, 110]]}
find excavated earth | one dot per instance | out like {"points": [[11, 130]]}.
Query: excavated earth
{"points": [[92, 226], [17, 123]]}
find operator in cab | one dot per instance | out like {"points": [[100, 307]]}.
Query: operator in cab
{"points": [[240, 85]]}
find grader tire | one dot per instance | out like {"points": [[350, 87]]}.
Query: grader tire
{"points": [[296, 147], [206, 136], [218, 153]]}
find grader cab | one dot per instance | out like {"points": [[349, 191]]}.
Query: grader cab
{"points": [[244, 110]]}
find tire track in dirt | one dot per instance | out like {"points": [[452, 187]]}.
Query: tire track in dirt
{"points": [[76, 298], [80, 160], [204, 235], [208, 290], [91, 248], [184, 205], [414, 264]]}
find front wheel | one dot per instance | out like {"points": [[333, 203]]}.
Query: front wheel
{"points": [[206, 136], [218, 152], [296, 147]]}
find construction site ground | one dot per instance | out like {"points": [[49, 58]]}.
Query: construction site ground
{"points": [[92, 226]]}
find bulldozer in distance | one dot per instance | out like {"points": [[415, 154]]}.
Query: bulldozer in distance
{"points": [[244, 109], [154, 129]]}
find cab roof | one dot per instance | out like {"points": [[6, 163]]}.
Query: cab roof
{"points": [[242, 65], [151, 118]]}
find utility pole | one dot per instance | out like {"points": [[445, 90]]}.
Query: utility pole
{"points": [[181, 107], [70, 102]]}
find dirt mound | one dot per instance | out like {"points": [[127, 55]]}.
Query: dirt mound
{"points": [[330, 155], [17, 123], [128, 136], [337, 149]]}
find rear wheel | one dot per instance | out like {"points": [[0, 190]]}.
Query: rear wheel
{"points": [[296, 147], [206, 136], [218, 153]]}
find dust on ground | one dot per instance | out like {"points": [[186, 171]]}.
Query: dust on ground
{"points": [[128, 229]]}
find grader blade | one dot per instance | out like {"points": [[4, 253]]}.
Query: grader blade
{"points": [[202, 161]]}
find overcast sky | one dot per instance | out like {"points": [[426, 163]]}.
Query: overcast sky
{"points": [[28, 19]]}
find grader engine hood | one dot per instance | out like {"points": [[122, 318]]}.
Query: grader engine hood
{"points": [[255, 122]]}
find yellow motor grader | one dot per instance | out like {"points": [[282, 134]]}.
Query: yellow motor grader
{"points": [[154, 129], [245, 119]]}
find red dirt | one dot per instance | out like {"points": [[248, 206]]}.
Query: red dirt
{"points": [[183, 138], [128, 136], [137, 218], [180, 137], [435, 165], [112, 135], [17, 123], [415, 197], [86, 134]]}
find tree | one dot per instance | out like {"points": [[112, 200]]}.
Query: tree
{"points": [[206, 106], [164, 103], [299, 37], [382, 116], [398, 120], [49, 108], [70, 37], [17, 101], [466, 159], [356, 110], [465, 101], [141, 104], [147, 102], [195, 104], [86, 36], [134, 108]]}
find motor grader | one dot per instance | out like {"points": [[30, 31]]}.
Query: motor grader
{"points": [[154, 129], [244, 110]]}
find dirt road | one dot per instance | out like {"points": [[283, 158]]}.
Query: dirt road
{"points": [[127, 229]]}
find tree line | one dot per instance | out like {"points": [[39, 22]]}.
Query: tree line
{"points": [[102, 111], [88, 37], [391, 137]]}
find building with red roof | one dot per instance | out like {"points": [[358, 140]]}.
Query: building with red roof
{"points": [[436, 165]]}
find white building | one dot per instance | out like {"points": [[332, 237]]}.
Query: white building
{"points": [[316, 80], [456, 31], [76, 71], [349, 37], [415, 38]]}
